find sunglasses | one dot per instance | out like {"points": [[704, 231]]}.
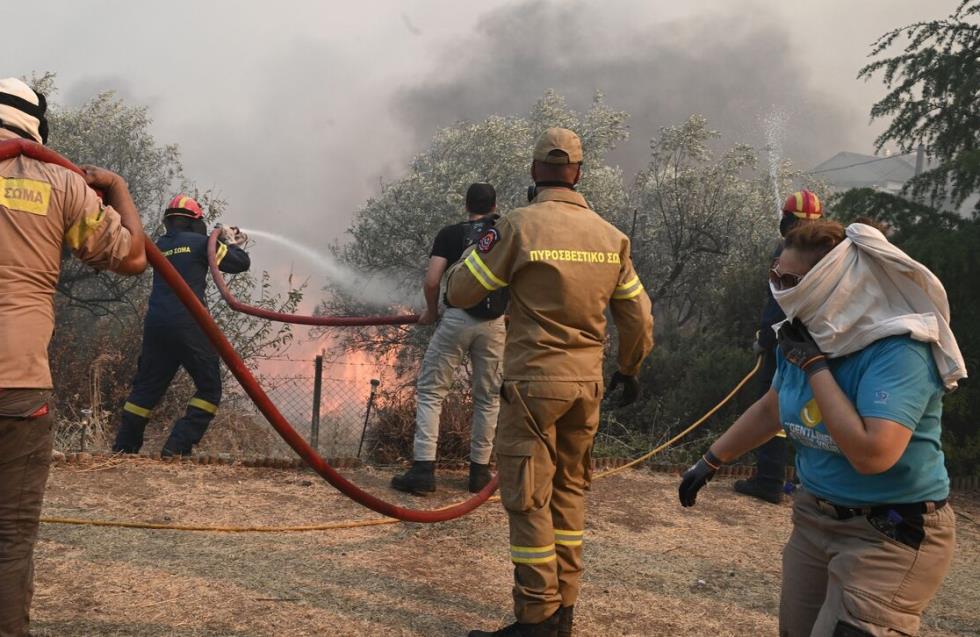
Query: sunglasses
{"points": [[783, 280]]}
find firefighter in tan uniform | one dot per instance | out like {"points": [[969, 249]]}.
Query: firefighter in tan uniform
{"points": [[43, 208], [564, 266]]}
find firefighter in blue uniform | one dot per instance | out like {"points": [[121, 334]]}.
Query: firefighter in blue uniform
{"points": [[171, 338]]}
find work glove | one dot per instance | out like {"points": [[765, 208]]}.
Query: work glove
{"points": [[799, 348], [700, 474], [232, 235], [631, 388]]}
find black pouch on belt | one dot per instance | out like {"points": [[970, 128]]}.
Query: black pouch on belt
{"points": [[906, 529]]}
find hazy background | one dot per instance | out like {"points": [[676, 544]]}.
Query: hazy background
{"points": [[301, 109]]}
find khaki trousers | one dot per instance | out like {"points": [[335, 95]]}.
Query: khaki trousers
{"points": [[544, 447], [25, 457], [863, 576], [459, 334]]}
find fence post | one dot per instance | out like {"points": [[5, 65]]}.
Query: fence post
{"points": [[367, 414], [315, 419]]}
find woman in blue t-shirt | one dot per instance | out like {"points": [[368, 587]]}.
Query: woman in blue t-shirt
{"points": [[872, 535]]}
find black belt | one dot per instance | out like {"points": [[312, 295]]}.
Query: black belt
{"points": [[903, 510]]}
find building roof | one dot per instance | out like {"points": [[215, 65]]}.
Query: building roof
{"points": [[855, 170]]}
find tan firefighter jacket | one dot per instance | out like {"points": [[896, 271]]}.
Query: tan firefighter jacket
{"points": [[564, 265]]}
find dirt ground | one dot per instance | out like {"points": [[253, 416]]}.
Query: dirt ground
{"points": [[645, 557]]}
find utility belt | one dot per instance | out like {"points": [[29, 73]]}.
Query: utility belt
{"points": [[839, 512], [480, 311]]}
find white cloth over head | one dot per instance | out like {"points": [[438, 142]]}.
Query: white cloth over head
{"points": [[867, 289]]}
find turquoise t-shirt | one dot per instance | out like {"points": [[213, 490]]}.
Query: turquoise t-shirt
{"points": [[895, 379]]}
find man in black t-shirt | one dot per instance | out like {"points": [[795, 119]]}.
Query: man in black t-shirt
{"points": [[477, 331]]}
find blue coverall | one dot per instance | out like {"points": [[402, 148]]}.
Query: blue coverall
{"points": [[171, 339]]}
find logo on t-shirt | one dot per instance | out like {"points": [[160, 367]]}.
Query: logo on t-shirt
{"points": [[881, 397], [810, 414]]}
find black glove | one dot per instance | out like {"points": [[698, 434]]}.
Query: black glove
{"points": [[631, 388], [696, 477], [800, 349]]}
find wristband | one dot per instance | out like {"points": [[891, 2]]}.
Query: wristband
{"points": [[712, 460], [814, 365]]}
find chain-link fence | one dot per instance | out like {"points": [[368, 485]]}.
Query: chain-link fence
{"points": [[344, 408], [332, 405], [332, 413]]}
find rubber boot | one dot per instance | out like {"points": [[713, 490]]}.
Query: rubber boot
{"points": [[480, 476], [565, 617], [547, 628], [756, 489], [418, 480]]}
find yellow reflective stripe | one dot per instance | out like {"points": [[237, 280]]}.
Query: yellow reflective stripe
{"points": [[565, 537], [220, 253], [628, 295], [78, 234], [632, 282], [628, 291], [486, 270], [203, 405], [534, 560], [532, 549], [532, 554], [136, 409], [479, 277]]}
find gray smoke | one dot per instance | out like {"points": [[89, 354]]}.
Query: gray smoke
{"points": [[733, 66]]}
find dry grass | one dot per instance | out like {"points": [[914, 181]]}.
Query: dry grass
{"points": [[644, 558]]}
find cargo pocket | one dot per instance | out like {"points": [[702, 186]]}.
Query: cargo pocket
{"points": [[868, 609], [515, 470]]}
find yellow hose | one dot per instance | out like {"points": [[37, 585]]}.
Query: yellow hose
{"points": [[351, 524]]}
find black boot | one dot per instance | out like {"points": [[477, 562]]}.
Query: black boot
{"points": [[418, 480], [758, 489], [547, 628], [565, 621], [479, 476]]}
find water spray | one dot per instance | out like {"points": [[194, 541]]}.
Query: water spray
{"points": [[774, 127], [372, 289]]}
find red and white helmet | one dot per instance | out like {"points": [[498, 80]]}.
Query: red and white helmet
{"points": [[184, 206], [803, 205]]}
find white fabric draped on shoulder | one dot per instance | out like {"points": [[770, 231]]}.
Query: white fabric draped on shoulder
{"points": [[867, 289]]}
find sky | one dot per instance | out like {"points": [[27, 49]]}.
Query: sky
{"points": [[297, 112]]}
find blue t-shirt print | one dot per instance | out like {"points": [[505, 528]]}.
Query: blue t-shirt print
{"points": [[894, 379]]}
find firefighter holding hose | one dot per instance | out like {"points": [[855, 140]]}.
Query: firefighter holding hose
{"points": [[44, 208], [564, 266], [171, 338]]}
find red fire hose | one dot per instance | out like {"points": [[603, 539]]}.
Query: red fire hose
{"points": [[13, 148], [299, 319]]}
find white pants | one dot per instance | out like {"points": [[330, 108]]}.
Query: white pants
{"points": [[459, 334]]}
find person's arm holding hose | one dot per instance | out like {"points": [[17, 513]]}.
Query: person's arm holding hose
{"points": [[116, 193], [430, 288], [230, 254]]}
